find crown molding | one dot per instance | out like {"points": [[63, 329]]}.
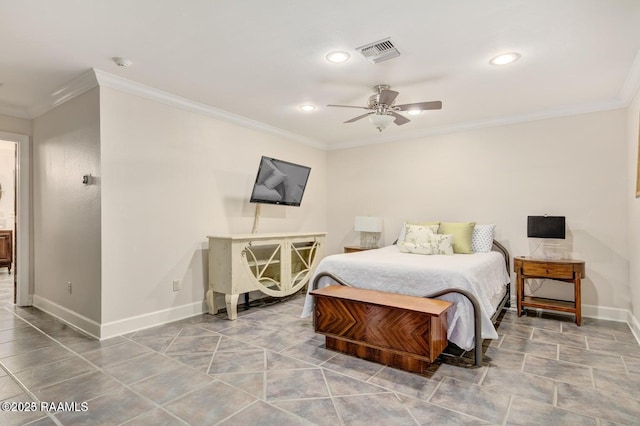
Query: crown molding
{"points": [[118, 83], [95, 77], [14, 111], [631, 83], [492, 122], [76, 87]]}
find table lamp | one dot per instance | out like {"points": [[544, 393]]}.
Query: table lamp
{"points": [[370, 229]]}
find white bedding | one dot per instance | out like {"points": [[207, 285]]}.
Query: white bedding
{"points": [[387, 269]]}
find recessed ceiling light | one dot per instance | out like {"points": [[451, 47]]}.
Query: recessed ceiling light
{"points": [[307, 107], [505, 58], [414, 112], [338, 57]]}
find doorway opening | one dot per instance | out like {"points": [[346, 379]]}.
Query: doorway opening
{"points": [[15, 225], [8, 196]]}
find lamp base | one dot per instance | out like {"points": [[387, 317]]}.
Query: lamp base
{"points": [[369, 239]]}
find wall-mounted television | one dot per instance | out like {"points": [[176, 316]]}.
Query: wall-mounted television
{"points": [[279, 182]]}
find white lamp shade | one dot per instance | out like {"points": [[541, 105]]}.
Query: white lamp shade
{"points": [[381, 121], [368, 224]]}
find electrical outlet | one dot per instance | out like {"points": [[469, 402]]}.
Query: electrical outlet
{"points": [[176, 285], [69, 286]]}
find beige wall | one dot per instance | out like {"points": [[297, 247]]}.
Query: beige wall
{"points": [[169, 179], [11, 124], [633, 139], [572, 166], [66, 212]]}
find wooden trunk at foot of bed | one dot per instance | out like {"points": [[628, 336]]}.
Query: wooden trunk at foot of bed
{"points": [[400, 331]]}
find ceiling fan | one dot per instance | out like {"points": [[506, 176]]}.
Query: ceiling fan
{"points": [[383, 109]]}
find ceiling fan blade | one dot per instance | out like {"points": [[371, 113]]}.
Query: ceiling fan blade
{"points": [[400, 119], [387, 97], [419, 106], [359, 117], [347, 106]]}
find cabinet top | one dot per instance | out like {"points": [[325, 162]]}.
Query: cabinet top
{"points": [[541, 260], [268, 236], [575, 263]]}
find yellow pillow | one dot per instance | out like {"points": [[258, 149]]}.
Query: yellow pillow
{"points": [[462, 235]]}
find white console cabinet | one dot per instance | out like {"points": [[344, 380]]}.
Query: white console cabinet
{"points": [[276, 264]]}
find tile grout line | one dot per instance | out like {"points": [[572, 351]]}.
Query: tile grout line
{"points": [[333, 402], [322, 366], [506, 416], [100, 369]]}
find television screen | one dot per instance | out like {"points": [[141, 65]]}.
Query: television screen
{"points": [[279, 182], [545, 227]]}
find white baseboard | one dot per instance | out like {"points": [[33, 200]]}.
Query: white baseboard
{"points": [[589, 311], [131, 324], [635, 326], [603, 313], [67, 316], [123, 326]]}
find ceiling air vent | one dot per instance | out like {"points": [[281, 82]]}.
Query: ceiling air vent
{"points": [[379, 51]]}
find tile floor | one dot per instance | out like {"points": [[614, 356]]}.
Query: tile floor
{"points": [[269, 368]]}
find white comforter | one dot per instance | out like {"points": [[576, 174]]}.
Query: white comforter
{"points": [[387, 269]]}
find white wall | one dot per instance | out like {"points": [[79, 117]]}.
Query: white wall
{"points": [[169, 179], [572, 166], [633, 140], [66, 212]]}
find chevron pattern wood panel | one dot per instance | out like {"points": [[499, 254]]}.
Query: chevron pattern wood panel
{"points": [[357, 322]]}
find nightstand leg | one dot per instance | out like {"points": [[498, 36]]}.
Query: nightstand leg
{"points": [[577, 299], [519, 292]]}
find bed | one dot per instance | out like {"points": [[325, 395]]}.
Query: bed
{"points": [[481, 276]]}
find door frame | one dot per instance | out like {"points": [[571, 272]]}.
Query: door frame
{"points": [[22, 271]]}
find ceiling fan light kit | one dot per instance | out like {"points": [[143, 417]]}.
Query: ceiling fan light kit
{"points": [[381, 121], [384, 110]]}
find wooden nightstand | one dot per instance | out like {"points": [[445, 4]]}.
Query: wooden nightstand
{"points": [[567, 270], [353, 249]]}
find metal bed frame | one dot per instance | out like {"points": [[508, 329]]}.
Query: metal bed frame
{"points": [[505, 302]]}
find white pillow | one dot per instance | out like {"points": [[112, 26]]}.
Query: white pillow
{"points": [[482, 238], [433, 244], [403, 230], [418, 234]]}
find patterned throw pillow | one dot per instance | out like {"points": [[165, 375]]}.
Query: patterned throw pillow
{"points": [[419, 233], [436, 244], [482, 239], [403, 230]]}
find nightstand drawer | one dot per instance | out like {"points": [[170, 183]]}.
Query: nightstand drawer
{"points": [[553, 270]]}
